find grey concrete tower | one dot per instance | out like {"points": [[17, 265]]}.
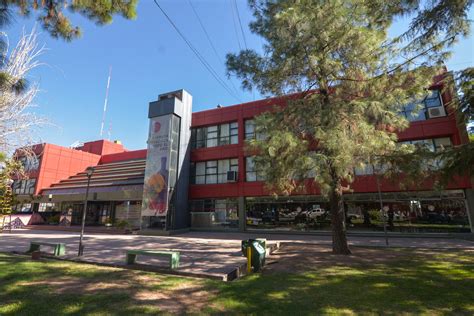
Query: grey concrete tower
{"points": [[165, 200]]}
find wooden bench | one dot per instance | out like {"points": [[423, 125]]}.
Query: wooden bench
{"points": [[59, 248], [172, 255]]}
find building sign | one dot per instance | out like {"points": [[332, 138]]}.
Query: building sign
{"points": [[156, 184]]}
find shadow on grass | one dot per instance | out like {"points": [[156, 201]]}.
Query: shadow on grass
{"points": [[415, 284], [63, 288], [409, 282]]}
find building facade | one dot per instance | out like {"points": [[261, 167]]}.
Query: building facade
{"points": [[195, 173]]}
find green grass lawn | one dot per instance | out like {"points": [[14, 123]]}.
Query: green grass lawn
{"points": [[409, 282]]}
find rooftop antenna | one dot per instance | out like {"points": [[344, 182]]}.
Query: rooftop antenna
{"points": [[105, 103], [109, 132]]}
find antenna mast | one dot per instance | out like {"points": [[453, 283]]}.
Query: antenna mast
{"points": [[105, 103]]}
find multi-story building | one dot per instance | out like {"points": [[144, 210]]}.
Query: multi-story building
{"points": [[196, 173]]}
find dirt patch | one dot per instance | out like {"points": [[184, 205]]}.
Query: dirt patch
{"points": [[153, 290], [296, 258]]}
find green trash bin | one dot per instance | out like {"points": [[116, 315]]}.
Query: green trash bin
{"points": [[257, 252], [245, 243]]}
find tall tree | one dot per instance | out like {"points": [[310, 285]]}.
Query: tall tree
{"points": [[352, 81], [53, 17], [17, 122]]}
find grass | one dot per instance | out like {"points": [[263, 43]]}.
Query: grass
{"points": [[416, 282]]}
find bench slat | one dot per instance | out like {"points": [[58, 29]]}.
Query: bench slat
{"points": [[59, 248], [172, 255]]}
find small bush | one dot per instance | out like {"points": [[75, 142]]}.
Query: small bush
{"points": [[375, 215], [122, 224], [54, 219]]}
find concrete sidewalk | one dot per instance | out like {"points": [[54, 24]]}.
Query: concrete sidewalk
{"points": [[214, 254]]}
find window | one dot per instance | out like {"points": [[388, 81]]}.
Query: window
{"points": [[212, 171], [251, 131], [47, 207], [366, 170], [216, 135], [433, 100], [29, 164], [251, 172], [225, 211]]}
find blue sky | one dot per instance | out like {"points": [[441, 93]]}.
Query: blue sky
{"points": [[148, 58]]}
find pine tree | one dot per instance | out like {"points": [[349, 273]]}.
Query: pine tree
{"points": [[351, 81], [53, 18]]}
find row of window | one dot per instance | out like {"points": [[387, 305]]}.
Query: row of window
{"points": [[225, 134], [431, 107], [24, 186], [216, 135], [433, 144], [215, 171]]}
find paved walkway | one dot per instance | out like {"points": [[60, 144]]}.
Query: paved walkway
{"points": [[210, 253]]}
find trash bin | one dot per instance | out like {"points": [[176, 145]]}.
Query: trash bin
{"points": [[245, 243], [257, 252]]}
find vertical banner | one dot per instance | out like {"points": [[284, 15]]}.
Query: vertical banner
{"points": [[155, 188]]}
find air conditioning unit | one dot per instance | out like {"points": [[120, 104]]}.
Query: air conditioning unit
{"points": [[436, 112], [231, 176]]}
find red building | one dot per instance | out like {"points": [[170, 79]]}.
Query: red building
{"points": [[226, 192]]}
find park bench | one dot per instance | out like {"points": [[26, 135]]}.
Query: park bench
{"points": [[59, 248], [173, 256]]}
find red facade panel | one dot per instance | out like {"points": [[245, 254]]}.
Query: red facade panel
{"points": [[58, 163], [128, 155], [431, 128]]}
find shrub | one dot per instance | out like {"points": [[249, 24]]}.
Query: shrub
{"points": [[54, 219], [122, 224]]}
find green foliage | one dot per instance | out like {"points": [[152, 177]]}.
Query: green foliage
{"points": [[54, 219], [375, 281], [465, 84], [342, 49], [10, 169], [122, 224], [350, 79], [52, 13]]}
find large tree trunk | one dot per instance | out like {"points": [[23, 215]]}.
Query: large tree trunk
{"points": [[339, 238]]}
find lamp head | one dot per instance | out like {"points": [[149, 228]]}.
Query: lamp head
{"points": [[89, 171]]}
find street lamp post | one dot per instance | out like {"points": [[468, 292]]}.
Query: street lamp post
{"points": [[89, 172]]}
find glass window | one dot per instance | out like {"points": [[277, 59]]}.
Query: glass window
{"points": [[215, 135], [442, 143], [224, 166], [224, 136], [213, 171], [424, 143], [251, 172], [366, 170], [433, 99], [200, 173], [225, 212], [413, 112], [30, 186], [16, 186], [249, 129], [234, 133], [211, 140]]}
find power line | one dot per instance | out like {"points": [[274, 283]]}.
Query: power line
{"points": [[198, 55], [210, 41], [240, 23], [235, 24], [205, 31]]}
